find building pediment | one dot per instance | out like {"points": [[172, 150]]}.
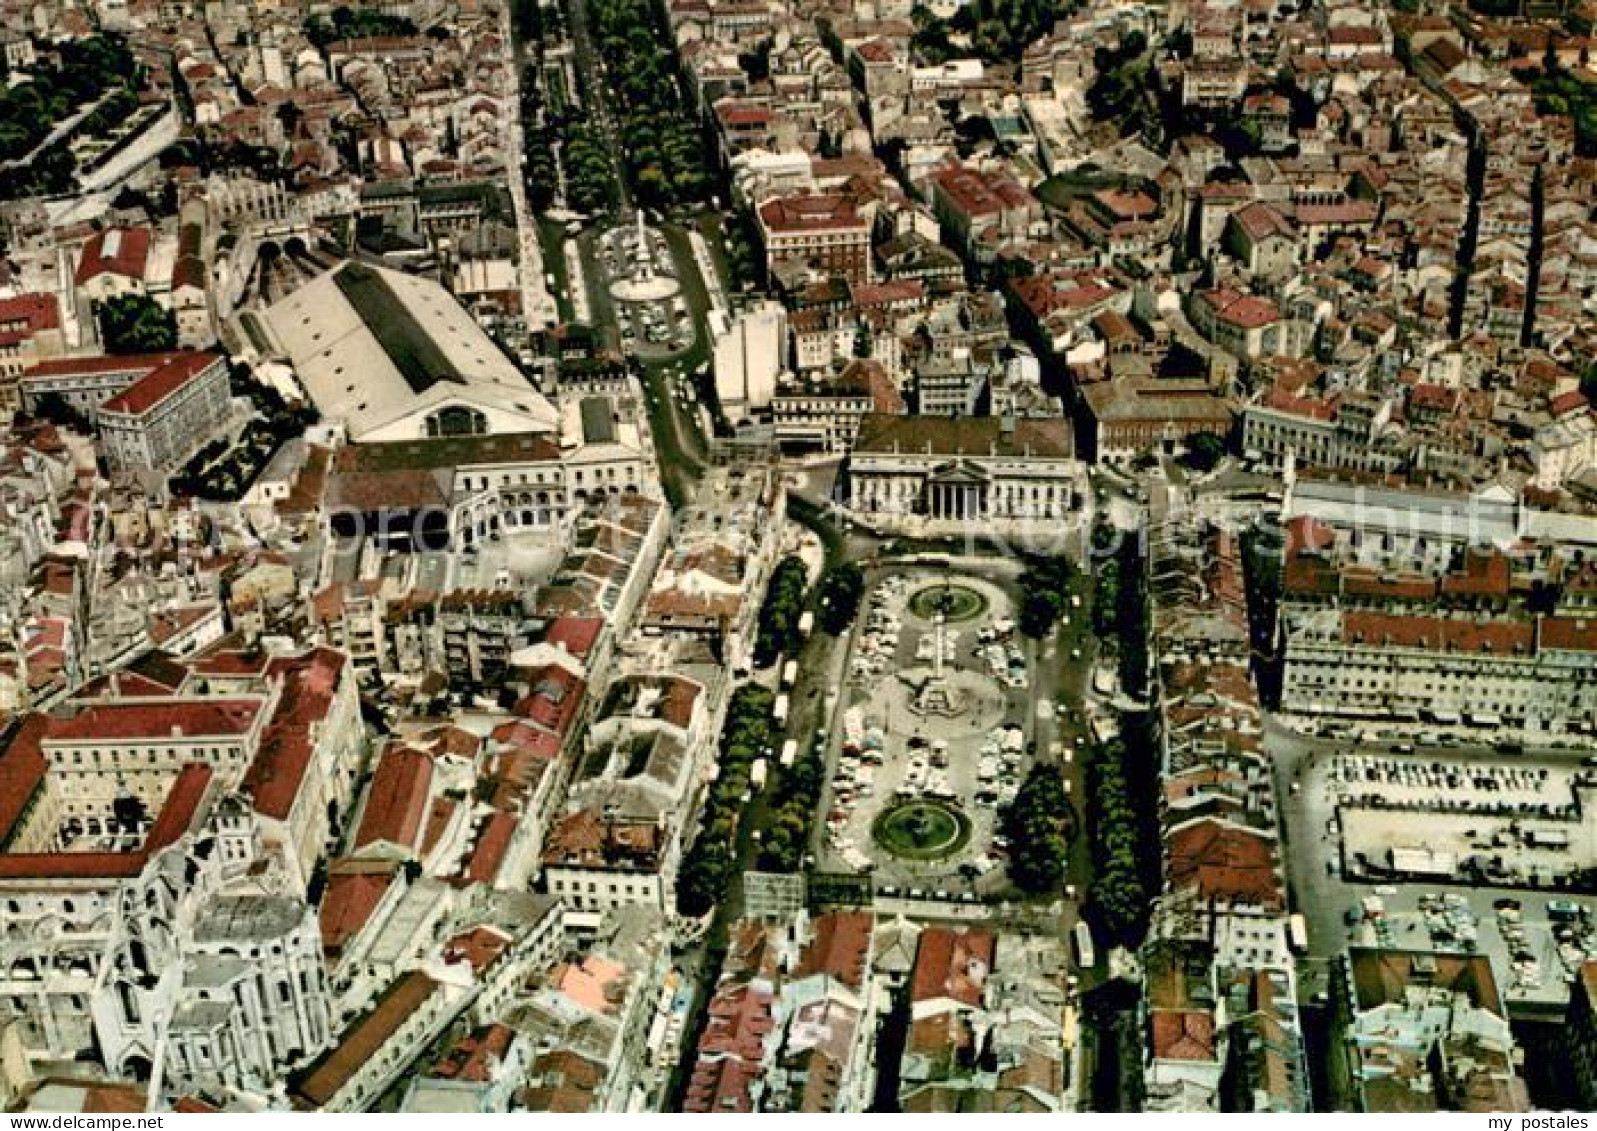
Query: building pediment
{"points": [[960, 473]]}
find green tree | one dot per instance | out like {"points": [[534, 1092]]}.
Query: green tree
{"points": [[706, 870], [780, 613], [1045, 589], [1118, 900], [1204, 451], [135, 324], [1040, 824], [841, 591]]}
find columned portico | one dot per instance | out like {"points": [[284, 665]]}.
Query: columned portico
{"points": [[956, 491], [948, 472]]}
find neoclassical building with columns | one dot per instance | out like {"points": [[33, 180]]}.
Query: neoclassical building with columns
{"points": [[907, 470]]}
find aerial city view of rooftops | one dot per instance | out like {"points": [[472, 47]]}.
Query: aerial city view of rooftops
{"points": [[810, 556]]}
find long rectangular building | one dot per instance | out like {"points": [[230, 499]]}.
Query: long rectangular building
{"points": [[962, 469], [1415, 604]]}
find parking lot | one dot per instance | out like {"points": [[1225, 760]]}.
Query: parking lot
{"points": [[1340, 798], [1509, 824], [958, 731]]}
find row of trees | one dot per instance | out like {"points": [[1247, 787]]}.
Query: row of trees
{"points": [[1120, 612], [556, 134], [590, 177], [1045, 590], [1118, 902], [707, 867], [779, 615], [541, 171], [838, 600], [1040, 824], [660, 140], [792, 815]]}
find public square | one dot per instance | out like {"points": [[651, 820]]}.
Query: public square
{"points": [[933, 736]]}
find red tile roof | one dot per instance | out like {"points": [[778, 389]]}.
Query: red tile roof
{"points": [[22, 771], [186, 718], [1186, 1034], [810, 213], [740, 1018], [842, 941], [1261, 220], [182, 803], [473, 1057], [1351, 212], [139, 363], [351, 895], [1569, 634], [1485, 573], [1439, 634], [1282, 401], [527, 738], [23, 316], [1249, 312], [309, 684], [743, 114], [364, 1039], [577, 635], [177, 816], [952, 964], [1125, 205], [556, 695], [479, 947], [1572, 401], [160, 383], [397, 801], [974, 194], [722, 1086], [493, 843], [1224, 863], [116, 251]]}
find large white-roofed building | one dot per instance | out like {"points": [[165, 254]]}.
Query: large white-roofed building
{"points": [[395, 357]]}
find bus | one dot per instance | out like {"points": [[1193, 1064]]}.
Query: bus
{"points": [[1086, 957], [1297, 934]]}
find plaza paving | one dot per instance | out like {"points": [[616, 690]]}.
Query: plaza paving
{"points": [[909, 727]]}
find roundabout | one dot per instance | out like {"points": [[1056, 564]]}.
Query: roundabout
{"points": [[645, 287], [952, 601], [921, 829]]}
